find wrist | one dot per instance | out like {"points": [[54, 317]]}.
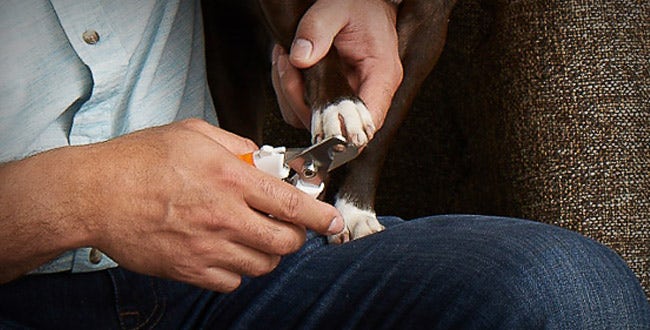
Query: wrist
{"points": [[38, 214], [52, 179]]}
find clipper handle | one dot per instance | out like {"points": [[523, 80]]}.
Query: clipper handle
{"points": [[271, 161]]}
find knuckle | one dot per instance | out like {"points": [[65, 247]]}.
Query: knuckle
{"points": [[310, 22], [231, 179], [289, 244], [288, 199], [291, 204], [255, 271], [266, 267], [248, 143], [191, 123]]}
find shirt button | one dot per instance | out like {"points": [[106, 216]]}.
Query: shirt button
{"points": [[91, 37], [95, 256]]}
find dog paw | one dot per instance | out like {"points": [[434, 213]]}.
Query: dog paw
{"points": [[348, 117], [358, 223]]}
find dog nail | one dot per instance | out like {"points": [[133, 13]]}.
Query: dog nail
{"points": [[336, 226], [370, 131], [301, 49]]}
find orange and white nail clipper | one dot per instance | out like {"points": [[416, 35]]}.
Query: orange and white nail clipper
{"points": [[310, 164]]}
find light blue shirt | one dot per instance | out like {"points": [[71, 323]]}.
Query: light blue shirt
{"points": [[79, 72]]}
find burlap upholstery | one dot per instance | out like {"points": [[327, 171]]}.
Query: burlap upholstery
{"points": [[539, 110]]}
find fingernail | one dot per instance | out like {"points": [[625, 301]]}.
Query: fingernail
{"points": [[301, 49], [283, 65], [274, 54], [336, 226]]}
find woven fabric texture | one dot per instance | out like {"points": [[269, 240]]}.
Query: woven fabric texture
{"points": [[539, 110], [568, 84]]}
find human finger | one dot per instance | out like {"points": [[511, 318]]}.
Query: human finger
{"points": [[286, 110], [286, 203], [232, 142], [217, 279], [315, 33], [266, 233], [242, 259], [378, 88], [289, 88]]}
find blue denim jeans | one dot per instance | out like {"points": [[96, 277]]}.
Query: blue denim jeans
{"points": [[443, 272]]}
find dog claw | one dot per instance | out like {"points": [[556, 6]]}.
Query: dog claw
{"points": [[340, 238]]}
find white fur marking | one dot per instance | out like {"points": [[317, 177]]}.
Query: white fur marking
{"points": [[353, 115], [331, 121], [316, 126], [358, 222]]}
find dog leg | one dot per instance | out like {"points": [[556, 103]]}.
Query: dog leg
{"points": [[422, 28], [336, 108], [338, 111]]}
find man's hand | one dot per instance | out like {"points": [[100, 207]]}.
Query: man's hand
{"points": [[363, 32], [171, 201]]}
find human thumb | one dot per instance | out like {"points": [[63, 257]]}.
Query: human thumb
{"points": [[315, 34]]}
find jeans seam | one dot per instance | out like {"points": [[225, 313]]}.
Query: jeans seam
{"points": [[158, 306], [152, 319]]}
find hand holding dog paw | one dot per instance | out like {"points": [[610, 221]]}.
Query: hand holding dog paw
{"points": [[364, 35]]}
